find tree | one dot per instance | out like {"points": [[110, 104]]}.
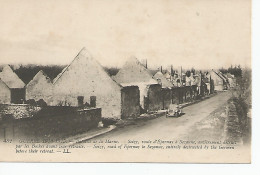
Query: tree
{"points": [[236, 71], [193, 71], [188, 73]]}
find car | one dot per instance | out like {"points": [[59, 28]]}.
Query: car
{"points": [[174, 110]]}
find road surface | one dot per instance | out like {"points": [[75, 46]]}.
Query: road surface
{"points": [[196, 136], [170, 128]]}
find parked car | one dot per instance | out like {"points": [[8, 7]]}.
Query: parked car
{"points": [[174, 111]]}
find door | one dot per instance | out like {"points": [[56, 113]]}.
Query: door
{"points": [[80, 100], [17, 96]]}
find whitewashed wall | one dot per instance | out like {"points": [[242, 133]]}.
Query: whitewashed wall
{"points": [[5, 94], [40, 87], [85, 77], [218, 82]]}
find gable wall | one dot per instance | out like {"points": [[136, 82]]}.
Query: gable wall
{"points": [[130, 102], [39, 89], [86, 78], [133, 71], [218, 82], [5, 94], [154, 98], [166, 97]]}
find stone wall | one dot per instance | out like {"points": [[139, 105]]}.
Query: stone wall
{"points": [[18, 111], [218, 82], [5, 94], [181, 95], [166, 97], [194, 92], [84, 77], [130, 97], [188, 94], [40, 89], [50, 122], [184, 94], [175, 97], [154, 98]]}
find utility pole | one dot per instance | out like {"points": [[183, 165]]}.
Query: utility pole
{"points": [[172, 75], [181, 75]]}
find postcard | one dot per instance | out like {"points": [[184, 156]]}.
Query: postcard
{"points": [[164, 81]]}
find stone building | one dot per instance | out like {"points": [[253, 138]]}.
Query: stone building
{"points": [[226, 82], [167, 95], [40, 87], [11, 87], [219, 82], [85, 82], [135, 74], [5, 93], [231, 80]]}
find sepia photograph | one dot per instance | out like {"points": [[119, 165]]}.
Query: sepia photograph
{"points": [[166, 81]]}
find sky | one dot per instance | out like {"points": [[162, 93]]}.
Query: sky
{"points": [[189, 33]]}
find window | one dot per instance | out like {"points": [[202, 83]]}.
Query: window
{"points": [[80, 100]]}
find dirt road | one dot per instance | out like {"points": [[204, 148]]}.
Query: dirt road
{"points": [[171, 128]]}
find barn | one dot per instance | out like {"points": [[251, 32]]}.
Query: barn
{"points": [[85, 82], [40, 87], [135, 74], [11, 87]]}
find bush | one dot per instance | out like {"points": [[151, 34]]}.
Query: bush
{"points": [[41, 102], [31, 102]]}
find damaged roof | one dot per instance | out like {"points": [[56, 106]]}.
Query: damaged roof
{"points": [[10, 78], [165, 83], [39, 77], [134, 71]]}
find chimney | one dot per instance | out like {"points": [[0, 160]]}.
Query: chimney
{"points": [[93, 100], [181, 73]]}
